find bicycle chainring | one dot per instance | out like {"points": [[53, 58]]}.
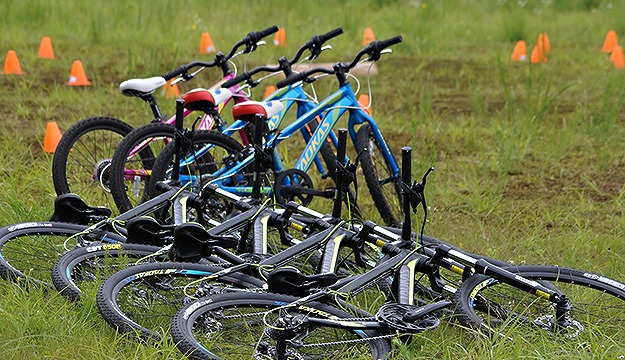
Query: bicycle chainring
{"points": [[393, 316], [289, 184]]}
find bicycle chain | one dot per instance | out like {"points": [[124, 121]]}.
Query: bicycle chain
{"points": [[342, 342]]}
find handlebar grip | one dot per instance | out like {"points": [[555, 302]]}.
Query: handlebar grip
{"points": [[255, 36], [236, 80], [331, 34], [383, 44], [291, 80], [172, 74]]}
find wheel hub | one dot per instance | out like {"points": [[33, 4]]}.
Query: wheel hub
{"points": [[101, 174]]}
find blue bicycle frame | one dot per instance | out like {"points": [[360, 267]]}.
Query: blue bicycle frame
{"points": [[330, 110]]}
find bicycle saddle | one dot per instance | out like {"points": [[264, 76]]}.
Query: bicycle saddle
{"points": [[291, 282], [148, 231], [192, 242], [141, 87], [70, 208], [250, 108], [203, 100]]}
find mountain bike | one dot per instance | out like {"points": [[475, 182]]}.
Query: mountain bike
{"points": [[330, 111], [82, 159]]}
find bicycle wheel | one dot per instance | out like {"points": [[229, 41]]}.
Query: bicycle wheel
{"points": [[216, 150], [144, 298], [598, 305], [82, 157], [385, 189], [234, 326], [28, 250], [132, 163], [84, 266]]}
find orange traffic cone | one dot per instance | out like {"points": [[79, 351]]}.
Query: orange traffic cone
{"points": [[78, 77], [367, 36], [45, 48], [171, 92], [269, 90], [12, 64], [617, 57], [543, 42], [520, 51], [206, 44], [280, 38], [52, 137], [365, 103], [610, 42], [538, 55]]}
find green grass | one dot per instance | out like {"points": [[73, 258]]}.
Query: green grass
{"points": [[529, 158]]}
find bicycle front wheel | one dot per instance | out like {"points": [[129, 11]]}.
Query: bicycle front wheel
{"points": [[83, 156], [385, 188], [28, 251], [597, 313], [83, 267], [242, 325], [143, 299]]}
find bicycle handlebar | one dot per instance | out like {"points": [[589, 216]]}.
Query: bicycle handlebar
{"points": [[250, 40], [373, 50], [314, 45]]}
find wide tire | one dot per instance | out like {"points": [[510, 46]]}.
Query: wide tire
{"points": [[384, 188], [81, 159], [143, 299], [495, 308], [86, 266], [28, 251]]}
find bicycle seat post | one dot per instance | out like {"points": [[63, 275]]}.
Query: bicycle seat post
{"points": [[259, 123], [175, 175], [406, 158]]}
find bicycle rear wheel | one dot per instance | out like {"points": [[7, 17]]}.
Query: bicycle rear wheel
{"points": [[234, 326], [132, 163], [28, 251], [82, 267], [143, 299], [83, 156], [385, 188], [597, 313]]}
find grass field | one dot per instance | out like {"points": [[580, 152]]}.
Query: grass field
{"points": [[529, 158]]}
